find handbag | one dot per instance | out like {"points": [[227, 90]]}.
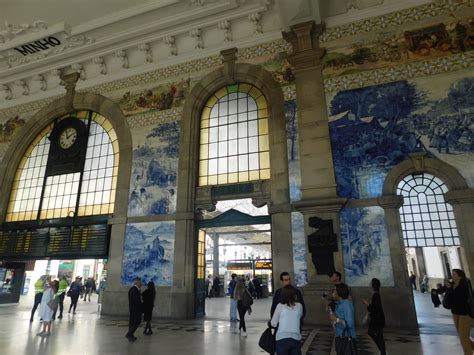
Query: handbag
{"points": [[267, 341], [345, 344], [69, 293], [53, 304]]}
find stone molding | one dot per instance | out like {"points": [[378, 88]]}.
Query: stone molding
{"points": [[459, 197], [390, 201], [418, 163], [317, 206]]}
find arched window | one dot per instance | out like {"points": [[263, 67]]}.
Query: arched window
{"points": [[39, 193], [427, 220], [234, 143]]}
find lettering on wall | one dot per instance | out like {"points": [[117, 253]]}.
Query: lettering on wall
{"points": [[40, 45]]}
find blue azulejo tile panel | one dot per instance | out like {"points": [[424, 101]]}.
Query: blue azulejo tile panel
{"points": [[148, 253], [299, 249], [292, 139], [365, 246], [154, 170], [374, 128]]}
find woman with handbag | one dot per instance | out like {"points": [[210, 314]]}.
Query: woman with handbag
{"points": [[344, 321], [287, 317], [376, 316], [47, 306]]}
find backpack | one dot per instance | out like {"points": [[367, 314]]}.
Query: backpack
{"points": [[247, 299]]}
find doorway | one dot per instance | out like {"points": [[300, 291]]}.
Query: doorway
{"points": [[233, 239]]}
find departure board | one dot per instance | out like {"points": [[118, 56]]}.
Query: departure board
{"points": [[90, 241]]}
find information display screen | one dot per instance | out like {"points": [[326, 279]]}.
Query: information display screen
{"points": [[73, 242]]}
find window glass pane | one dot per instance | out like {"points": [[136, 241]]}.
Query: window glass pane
{"points": [[234, 132], [424, 203]]}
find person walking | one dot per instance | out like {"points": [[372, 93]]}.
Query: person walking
{"points": [[208, 284], [46, 311], [148, 297], [216, 286], [244, 302], [38, 295], [233, 302], [287, 316], [62, 286], [88, 288], [376, 316], [458, 296], [285, 281], [343, 316], [413, 280], [135, 309], [74, 292]]}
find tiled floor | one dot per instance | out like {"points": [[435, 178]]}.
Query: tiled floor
{"points": [[89, 333]]}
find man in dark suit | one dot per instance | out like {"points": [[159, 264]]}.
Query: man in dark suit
{"points": [[286, 280], [135, 308]]}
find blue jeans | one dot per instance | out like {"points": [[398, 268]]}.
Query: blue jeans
{"points": [[288, 346], [233, 309]]}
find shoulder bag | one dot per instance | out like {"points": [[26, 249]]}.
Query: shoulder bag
{"points": [[345, 344], [267, 341], [53, 304]]}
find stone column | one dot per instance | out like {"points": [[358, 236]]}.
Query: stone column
{"points": [[319, 284], [420, 260], [215, 256], [463, 205], [398, 314], [317, 173], [318, 186]]}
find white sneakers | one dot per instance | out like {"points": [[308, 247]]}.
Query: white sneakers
{"points": [[244, 334]]}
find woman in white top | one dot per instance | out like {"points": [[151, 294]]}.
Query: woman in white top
{"points": [[287, 317], [46, 313]]}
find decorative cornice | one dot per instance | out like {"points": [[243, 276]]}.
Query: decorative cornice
{"points": [[397, 18], [304, 40], [401, 72]]}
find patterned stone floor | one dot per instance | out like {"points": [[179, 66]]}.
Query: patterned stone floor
{"points": [[89, 333]]}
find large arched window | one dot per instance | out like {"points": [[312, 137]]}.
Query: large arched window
{"points": [[427, 220], [91, 191], [234, 143]]}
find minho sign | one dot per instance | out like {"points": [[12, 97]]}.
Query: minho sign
{"points": [[40, 45]]}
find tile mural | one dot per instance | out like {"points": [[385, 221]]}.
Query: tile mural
{"points": [[148, 253], [375, 128], [292, 139], [154, 169], [299, 249], [365, 246], [391, 48]]}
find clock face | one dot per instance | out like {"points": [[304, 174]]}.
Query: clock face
{"points": [[67, 138]]}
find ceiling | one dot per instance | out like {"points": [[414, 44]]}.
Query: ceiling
{"points": [[73, 12]]}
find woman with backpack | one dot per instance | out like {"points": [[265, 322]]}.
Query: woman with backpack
{"points": [[458, 301], [376, 316], [244, 302]]}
